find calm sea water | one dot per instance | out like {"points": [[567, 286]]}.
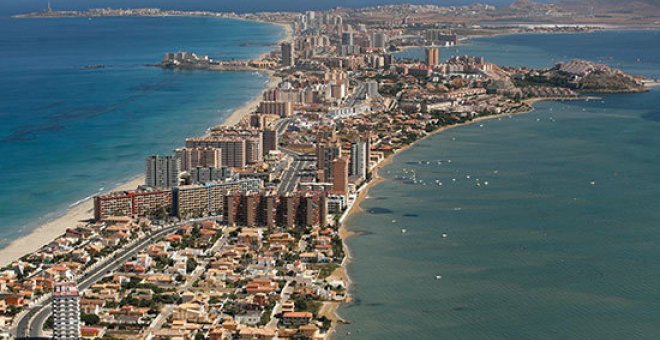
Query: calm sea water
{"points": [[562, 243], [69, 132]]}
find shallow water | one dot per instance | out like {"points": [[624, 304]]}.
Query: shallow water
{"points": [[68, 131], [562, 241]]}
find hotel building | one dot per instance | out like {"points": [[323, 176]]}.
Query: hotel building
{"points": [[234, 150], [280, 108], [199, 157], [145, 202], [208, 199]]}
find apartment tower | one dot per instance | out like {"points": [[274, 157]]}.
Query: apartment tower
{"points": [[432, 56], [66, 311]]}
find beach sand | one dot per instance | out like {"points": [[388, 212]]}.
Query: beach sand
{"points": [[50, 230]]}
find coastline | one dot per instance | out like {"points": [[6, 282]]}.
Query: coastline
{"points": [[330, 309], [51, 229]]}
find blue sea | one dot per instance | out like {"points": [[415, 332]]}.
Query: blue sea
{"points": [[69, 132], [550, 219], [11, 7]]}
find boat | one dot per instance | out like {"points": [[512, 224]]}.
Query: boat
{"points": [[403, 231], [94, 66]]}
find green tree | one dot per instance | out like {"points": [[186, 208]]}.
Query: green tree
{"points": [[90, 319]]}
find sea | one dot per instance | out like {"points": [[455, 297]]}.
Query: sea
{"points": [[537, 226], [69, 132]]}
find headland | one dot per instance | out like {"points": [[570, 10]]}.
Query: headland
{"points": [[256, 206]]}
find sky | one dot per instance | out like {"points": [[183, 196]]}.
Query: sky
{"points": [[11, 7]]}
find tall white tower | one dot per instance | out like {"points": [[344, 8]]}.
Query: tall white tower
{"points": [[66, 311]]}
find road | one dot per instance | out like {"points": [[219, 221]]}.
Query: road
{"points": [[357, 96], [167, 310], [282, 125], [291, 176], [31, 324]]}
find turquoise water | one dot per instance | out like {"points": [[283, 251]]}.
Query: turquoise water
{"points": [[563, 242], [68, 132]]}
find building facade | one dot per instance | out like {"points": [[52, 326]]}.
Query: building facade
{"points": [[132, 203], [432, 56], [208, 199], [199, 157], [66, 311], [162, 171], [340, 175], [288, 54]]}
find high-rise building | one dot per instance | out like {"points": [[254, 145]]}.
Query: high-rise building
{"points": [[234, 150], [372, 88], [347, 38], [281, 108], [379, 40], [302, 209], [191, 158], [288, 57], [254, 209], [359, 161], [162, 171], [340, 175], [270, 141], [209, 174], [432, 56], [439, 37], [66, 311], [325, 154], [208, 199]]}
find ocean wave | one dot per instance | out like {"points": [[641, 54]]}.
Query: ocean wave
{"points": [[79, 202]]}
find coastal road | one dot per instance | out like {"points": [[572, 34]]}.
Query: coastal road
{"points": [[31, 324], [291, 176]]}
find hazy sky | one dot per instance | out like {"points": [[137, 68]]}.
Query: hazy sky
{"points": [[9, 7]]}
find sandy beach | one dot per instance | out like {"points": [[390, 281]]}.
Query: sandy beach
{"points": [[50, 230]]}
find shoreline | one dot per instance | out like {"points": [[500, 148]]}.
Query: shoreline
{"points": [[49, 230], [330, 309]]}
